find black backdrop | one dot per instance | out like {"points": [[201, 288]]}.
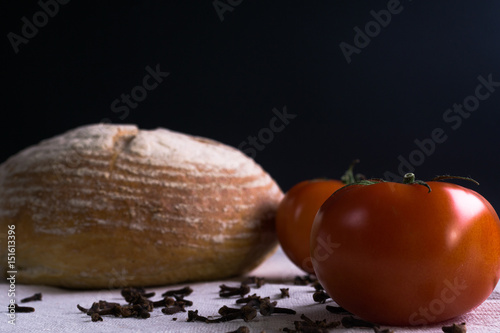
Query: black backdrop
{"points": [[304, 87]]}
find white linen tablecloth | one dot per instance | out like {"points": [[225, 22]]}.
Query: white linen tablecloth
{"points": [[57, 311]]}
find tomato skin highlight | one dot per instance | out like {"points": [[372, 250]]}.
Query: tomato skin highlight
{"points": [[396, 254], [295, 216]]}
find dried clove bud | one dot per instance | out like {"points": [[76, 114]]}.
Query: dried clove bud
{"points": [[22, 309], [81, 308], [455, 328], [307, 325], [301, 281], [254, 299], [127, 311], [114, 310], [186, 291], [246, 313], [193, 316], [304, 280], [257, 281], [94, 308], [317, 286], [142, 311], [135, 292], [337, 309], [267, 308], [106, 305], [226, 291], [285, 292], [320, 296], [136, 295], [96, 317], [224, 311], [180, 300], [173, 309], [166, 301], [35, 297]]}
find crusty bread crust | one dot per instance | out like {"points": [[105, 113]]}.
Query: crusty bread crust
{"points": [[106, 206]]}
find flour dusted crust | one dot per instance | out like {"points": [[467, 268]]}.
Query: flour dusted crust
{"points": [[106, 206]]}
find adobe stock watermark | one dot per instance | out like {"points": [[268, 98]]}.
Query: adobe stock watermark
{"points": [[454, 118], [150, 82], [29, 29], [222, 6], [448, 295], [321, 252], [362, 38], [256, 143], [11, 273]]}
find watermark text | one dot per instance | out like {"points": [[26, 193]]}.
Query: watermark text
{"points": [[11, 273]]}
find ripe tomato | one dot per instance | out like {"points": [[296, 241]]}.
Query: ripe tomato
{"points": [[295, 217], [296, 212], [397, 254]]}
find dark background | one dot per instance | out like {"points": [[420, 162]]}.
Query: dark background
{"points": [[226, 76]]}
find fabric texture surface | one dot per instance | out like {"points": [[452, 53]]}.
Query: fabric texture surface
{"points": [[58, 312]]}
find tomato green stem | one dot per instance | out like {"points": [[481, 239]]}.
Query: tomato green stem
{"points": [[409, 178], [348, 177]]}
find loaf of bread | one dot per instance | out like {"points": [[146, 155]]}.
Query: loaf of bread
{"points": [[105, 206]]}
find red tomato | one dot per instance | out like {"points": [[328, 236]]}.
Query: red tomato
{"points": [[295, 217], [397, 254]]}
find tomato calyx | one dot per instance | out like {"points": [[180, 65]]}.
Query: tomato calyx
{"points": [[349, 177], [409, 178], [454, 177]]}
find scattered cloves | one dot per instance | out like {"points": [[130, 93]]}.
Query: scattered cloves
{"points": [[132, 293], [253, 299], [186, 291], [337, 309], [96, 317], [307, 325], [82, 309], [35, 297], [224, 311], [317, 286], [135, 295], [181, 301], [285, 292], [114, 310], [139, 306], [268, 308], [166, 301], [246, 313], [24, 309], [193, 316], [173, 309], [303, 280], [94, 308], [107, 305], [257, 281], [320, 296], [455, 328], [142, 310], [226, 291]]}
